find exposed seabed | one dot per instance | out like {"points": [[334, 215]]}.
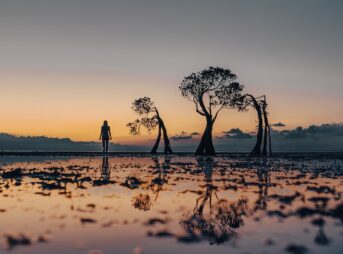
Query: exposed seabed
{"points": [[88, 202]]}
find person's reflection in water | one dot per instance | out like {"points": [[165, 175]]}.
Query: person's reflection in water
{"points": [[105, 178], [105, 169], [105, 136]]}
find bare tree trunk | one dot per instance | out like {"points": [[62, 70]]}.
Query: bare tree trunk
{"points": [[270, 142], [266, 134], [257, 148], [167, 147], [209, 147], [200, 149], [154, 149], [206, 146]]}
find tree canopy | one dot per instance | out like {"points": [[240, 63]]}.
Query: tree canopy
{"points": [[146, 109], [211, 90]]}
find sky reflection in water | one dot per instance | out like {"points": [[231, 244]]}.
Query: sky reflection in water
{"points": [[171, 204]]}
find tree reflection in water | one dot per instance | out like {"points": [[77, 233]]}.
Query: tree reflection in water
{"points": [[219, 224], [142, 202], [161, 170], [263, 178]]}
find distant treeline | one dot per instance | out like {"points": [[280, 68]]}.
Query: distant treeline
{"points": [[235, 140], [10, 142]]}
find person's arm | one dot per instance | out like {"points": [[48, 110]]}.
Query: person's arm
{"points": [[100, 134], [109, 131]]}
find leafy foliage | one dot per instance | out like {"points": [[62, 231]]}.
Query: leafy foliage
{"points": [[145, 108], [215, 87]]}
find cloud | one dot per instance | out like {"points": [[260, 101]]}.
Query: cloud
{"points": [[195, 133], [184, 136], [318, 138], [279, 124], [235, 133], [313, 131]]}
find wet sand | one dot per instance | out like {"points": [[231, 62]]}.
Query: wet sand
{"points": [[137, 203]]}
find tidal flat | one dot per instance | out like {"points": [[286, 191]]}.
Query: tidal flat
{"points": [[171, 204]]}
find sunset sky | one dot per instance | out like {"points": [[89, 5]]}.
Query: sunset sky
{"points": [[67, 65]]}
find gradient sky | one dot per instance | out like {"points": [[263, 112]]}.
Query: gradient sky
{"points": [[66, 65]]}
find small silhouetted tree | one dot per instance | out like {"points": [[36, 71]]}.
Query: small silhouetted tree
{"points": [[150, 119], [211, 90]]}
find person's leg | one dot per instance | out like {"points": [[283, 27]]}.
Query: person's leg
{"points": [[103, 145]]}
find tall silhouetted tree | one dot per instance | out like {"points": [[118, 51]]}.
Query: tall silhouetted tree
{"points": [[150, 119], [263, 129], [250, 100], [211, 90], [266, 136]]}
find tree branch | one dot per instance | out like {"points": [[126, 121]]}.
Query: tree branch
{"points": [[197, 108], [210, 106], [202, 105], [215, 116]]}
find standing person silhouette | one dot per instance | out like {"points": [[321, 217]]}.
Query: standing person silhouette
{"points": [[105, 136]]}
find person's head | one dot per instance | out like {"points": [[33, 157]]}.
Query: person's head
{"points": [[105, 123]]}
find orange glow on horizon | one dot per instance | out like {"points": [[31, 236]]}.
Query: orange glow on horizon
{"points": [[74, 105]]}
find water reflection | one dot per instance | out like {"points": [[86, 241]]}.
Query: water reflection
{"points": [[222, 218], [263, 177], [278, 204], [105, 174], [159, 178], [105, 169], [161, 171]]}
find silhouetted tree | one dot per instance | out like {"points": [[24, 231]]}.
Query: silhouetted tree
{"points": [[150, 119], [255, 102], [211, 90], [266, 135], [263, 129]]}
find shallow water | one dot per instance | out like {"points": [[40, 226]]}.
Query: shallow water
{"points": [[139, 204]]}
